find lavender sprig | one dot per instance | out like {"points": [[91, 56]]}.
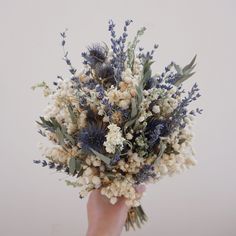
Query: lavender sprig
{"points": [[144, 174], [118, 46], [181, 111], [65, 57], [53, 165]]}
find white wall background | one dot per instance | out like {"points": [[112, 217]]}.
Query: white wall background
{"points": [[200, 202]]}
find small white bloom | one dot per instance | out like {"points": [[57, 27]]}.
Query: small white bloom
{"points": [[163, 169], [88, 171], [129, 136], [96, 181], [156, 109], [113, 200]]}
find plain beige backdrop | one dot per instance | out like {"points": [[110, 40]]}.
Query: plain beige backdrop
{"points": [[201, 201]]}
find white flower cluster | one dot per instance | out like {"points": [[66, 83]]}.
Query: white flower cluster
{"points": [[114, 139], [173, 163], [119, 188]]}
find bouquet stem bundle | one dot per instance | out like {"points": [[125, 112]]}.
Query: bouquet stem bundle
{"points": [[135, 218]]}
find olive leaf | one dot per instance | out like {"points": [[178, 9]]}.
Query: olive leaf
{"points": [[162, 150], [134, 109], [132, 46], [43, 84], [60, 136], [60, 130], [129, 123], [147, 72], [104, 158], [184, 73], [74, 165], [73, 116]]}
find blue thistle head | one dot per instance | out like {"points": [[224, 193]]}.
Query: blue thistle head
{"points": [[95, 54], [92, 136], [105, 73], [154, 130], [150, 83]]}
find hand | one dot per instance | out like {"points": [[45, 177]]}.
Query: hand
{"points": [[105, 219]]}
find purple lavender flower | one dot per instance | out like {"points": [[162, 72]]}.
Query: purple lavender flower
{"points": [[178, 115], [115, 159], [118, 46], [146, 172]]}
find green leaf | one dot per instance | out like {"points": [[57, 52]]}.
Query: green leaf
{"points": [[60, 136], [183, 78], [46, 124], [55, 123], [74, 165], [72, 114], [178, 69], [190, 65], [132, 46], [147, 72], [162, 150], [185, 73], [40, 85], [129, 123], [139, 94], [110, 175], [69, 138], [134, 110], [104, 158]]}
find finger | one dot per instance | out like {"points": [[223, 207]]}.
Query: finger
{"points": [[140, 188]]}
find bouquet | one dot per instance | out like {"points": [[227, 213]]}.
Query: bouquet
{"points": [[115, 124]]}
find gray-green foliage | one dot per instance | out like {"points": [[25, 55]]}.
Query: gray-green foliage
{"points": [[162, 150], [132, 46], [74, 165], [136, 102], [60, 130], [104, 158], [72, 183], [42, 84], [73, 115], [184, 73], [147, 73]]}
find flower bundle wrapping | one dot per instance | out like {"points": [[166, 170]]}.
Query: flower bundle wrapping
{"points": [[115, 124]]}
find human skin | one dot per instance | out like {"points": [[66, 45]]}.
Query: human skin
{"points": [[105, 219]]}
